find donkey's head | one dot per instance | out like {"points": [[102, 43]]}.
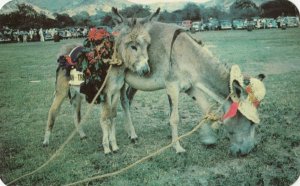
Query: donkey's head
{"points": [[241, 111], [133, 41]]}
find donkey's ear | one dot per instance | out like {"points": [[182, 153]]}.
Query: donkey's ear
{"points": [[152, 17], [117, 17], [261, 76], [133, 21]]}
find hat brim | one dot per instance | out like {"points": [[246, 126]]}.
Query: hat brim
{"points": [[249, 110], [246, 107]]}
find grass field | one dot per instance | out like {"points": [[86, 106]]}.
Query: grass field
{"points": [[27, 75]]}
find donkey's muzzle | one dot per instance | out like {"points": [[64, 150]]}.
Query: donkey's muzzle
{"points": [[242, 149], [143, 68], [145, 71]]}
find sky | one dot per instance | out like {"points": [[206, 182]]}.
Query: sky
{"points": [[3, 2]]}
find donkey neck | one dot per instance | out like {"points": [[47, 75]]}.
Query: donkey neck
{"points": [[215, 75]]}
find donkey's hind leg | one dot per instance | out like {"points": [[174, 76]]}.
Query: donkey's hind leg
{"points": [[76, 102], [61, 92], [125, 102], [130, 92], [59, 98]]}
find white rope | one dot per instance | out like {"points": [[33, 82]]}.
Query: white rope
{"points": [[57, 152]]}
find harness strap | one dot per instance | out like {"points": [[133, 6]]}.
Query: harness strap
{"points": [[72, 58], [176, 33]]}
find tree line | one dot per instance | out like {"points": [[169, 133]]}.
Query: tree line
{"points": [[25, 17]]}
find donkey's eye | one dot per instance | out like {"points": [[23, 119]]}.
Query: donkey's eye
{"points": [[133, 47]]}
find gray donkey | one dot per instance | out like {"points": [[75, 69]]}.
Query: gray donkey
{"points": [[180, 64], [131, 46]]}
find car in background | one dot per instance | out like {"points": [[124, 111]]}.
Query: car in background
{"points": [[187, 24], [196, 26], [48, 37], [213, 24], [271, 23], [250, 25], [291, 21], [225, 25], [238, 24]]}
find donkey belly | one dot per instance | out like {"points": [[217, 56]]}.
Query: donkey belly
{"points": [[145, 83]]}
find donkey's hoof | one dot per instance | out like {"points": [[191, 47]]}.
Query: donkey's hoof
{"points": [[107, 152], [134, 140], [180, 150], [45, 143], [83, 137], [209, 141], [115, 151]]}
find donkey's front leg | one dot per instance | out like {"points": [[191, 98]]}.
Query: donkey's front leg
{"points": [[173, 94], [105, 125], [113, 115], [208, 135]]}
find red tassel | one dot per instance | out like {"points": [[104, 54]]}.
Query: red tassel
{"points": [[232, 110]]}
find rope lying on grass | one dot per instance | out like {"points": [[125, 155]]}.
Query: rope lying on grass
{"points": [[208, 117], [57, 152], [140, 160]]}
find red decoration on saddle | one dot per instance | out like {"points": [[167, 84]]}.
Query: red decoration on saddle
{"points": [[232, 110], [69, 60], [97, 34]]}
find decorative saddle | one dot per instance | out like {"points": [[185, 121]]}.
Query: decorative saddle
{"points": [[87, 65]]}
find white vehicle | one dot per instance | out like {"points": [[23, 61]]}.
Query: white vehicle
{"points": [[291, 21], [196, 26]]}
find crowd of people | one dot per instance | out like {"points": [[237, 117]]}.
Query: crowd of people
{"points": [[17, 35]]}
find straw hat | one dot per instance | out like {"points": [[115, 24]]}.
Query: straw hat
{"points": [[255, 93]]}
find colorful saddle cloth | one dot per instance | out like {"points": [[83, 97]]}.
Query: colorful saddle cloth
{"points": [[92, 59]]}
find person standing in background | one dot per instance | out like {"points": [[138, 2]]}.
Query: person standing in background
{"points": [[42, 39]]}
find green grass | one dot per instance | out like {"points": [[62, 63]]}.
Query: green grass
{"points": [[24, 107]]}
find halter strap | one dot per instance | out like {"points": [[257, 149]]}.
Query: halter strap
{"points": [[175, 35]]}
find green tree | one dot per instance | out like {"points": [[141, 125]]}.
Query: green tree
{"points": [[136, 11], [191, 11], [64, 20], [82, 19], [244, 9]]}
